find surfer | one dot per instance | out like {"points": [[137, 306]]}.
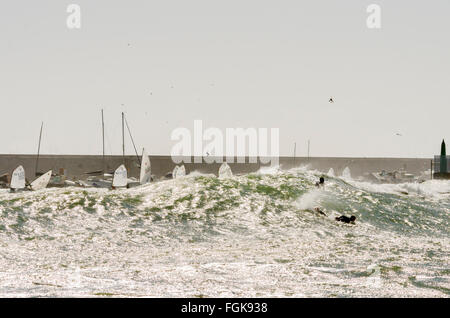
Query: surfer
{"points": [[321, 182], [346, 219], [318, 210]]}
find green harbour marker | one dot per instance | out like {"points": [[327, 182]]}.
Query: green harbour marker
{"points": [[443, 161]]}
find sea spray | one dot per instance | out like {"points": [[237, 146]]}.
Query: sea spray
{"points": [[309, 200], [330, 172], [269, 170], [346, 173], [200, 234]]}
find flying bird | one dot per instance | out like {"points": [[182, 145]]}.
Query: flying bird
{"points": [[331, 100]]}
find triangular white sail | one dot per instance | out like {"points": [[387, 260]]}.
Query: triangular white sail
{"points": [[225, 171], [181, 172], [41, 182], [120, 177], [178, 171], [18, 178], [146, 172]]}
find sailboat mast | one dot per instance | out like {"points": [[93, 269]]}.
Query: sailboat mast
{"points": [[295, 150], [39, 150], [103, 143], [131, 137], [123, 137]]}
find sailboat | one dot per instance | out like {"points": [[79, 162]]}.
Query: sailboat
{"points": [[225, 171], [41, 182], [107, 180], [17, 179], [120, 179], [178, 171], [146, 169], [120, 175], [146, 172], [43, 178], [98, 178], [19, 183]]}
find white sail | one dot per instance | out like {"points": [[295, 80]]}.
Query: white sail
{"points": [[179, 171], [174, 172], [41, 182], [120, 177], [18, 178], [225, 171], [146, 172]]}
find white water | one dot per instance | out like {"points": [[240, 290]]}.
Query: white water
{"points": [[245, 236], [346, 173], [330, 172]]}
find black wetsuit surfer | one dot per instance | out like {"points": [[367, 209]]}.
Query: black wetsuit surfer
{"points": [[318, 210], [346, 219], [321, 182]]}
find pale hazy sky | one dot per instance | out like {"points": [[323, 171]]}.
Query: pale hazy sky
{"points": [[233, 63]]}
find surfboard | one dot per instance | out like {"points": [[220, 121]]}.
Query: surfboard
{"points": [[120, 177], [18, 178], [145, 169], [41, 182]]}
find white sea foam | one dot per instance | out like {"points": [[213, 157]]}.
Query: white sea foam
{"points": [[269, 170], [438, 189], [310, 199], [199, 235], [346, 174]]}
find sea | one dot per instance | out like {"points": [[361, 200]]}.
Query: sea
{"points": [[249, 235]]}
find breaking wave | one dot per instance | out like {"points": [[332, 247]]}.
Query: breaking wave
{"points": [[247, 235]]}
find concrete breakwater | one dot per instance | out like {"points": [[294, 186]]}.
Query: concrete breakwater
{"points": [[78, 166]]}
